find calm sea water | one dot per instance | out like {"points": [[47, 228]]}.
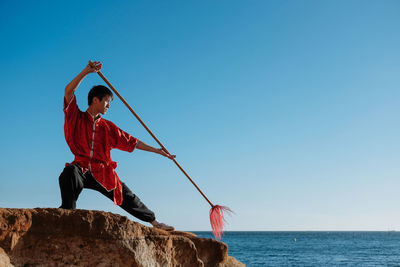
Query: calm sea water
{"points": [[313, 248]]}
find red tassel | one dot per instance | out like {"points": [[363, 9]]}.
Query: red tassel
{"points": [[217, 220]]}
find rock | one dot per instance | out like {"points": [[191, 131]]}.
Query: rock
{"points": [[57, 237], [4, 259]]}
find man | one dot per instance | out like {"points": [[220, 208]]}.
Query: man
{"points": [[90, 138]]}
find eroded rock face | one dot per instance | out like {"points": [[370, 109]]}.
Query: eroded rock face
{"points": [[4, 259], [57, 237]]}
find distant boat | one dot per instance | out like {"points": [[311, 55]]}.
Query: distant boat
{"points": [[294, 239]]}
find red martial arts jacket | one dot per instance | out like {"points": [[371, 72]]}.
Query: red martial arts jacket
{"points": [[91, 140]]}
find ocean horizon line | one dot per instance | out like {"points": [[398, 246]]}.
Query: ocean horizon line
{"points": [[257, 231]]}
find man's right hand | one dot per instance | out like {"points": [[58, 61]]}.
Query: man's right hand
{"points": [[93, 67]]}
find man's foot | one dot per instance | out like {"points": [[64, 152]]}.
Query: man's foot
{"points": [[162, 226]]}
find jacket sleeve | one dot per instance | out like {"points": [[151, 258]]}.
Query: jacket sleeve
{"points": [[70, 109], [122, 140]]}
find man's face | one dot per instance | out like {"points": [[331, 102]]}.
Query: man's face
{"points": [[103, 105]]}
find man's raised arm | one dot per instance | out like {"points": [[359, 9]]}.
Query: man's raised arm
{"points": [[71, 87]]}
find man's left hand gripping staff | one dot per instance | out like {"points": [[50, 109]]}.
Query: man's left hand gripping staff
{"points": [[165, 154]]}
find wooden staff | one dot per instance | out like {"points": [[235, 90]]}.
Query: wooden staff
{"points": [[145, 126]]}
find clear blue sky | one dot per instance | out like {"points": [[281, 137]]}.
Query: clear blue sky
{"points": [[285, 111]]}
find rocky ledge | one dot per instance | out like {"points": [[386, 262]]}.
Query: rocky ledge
{"points": [[57, 237]]}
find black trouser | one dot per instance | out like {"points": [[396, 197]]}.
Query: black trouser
{"points": [[72, 181]]}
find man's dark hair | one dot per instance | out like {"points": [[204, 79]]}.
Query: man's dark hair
{"points": [[99, 91]]}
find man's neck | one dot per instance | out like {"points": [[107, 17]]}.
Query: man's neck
{"points": [[92, 112]]}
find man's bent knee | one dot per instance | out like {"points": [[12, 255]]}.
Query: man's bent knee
{"points": [[68, 173]]}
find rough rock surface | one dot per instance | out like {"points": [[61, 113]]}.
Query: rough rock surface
{"points": [[57, 237]]}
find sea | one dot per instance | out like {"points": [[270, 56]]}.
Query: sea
{"points": [[313, 248]]}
